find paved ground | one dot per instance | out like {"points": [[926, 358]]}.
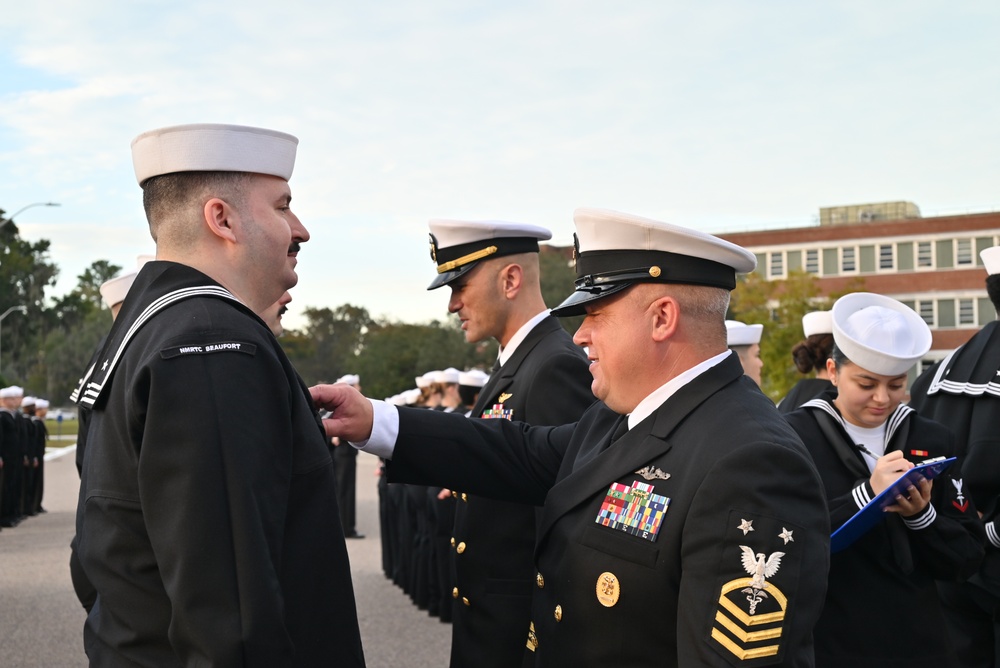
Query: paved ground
{"points": [[41, 621]]}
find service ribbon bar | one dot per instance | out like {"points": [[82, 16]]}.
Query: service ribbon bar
{"points": [[634, 510]]}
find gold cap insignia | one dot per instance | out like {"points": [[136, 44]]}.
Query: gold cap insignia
{"points": [[654, 271], [434, 243]]}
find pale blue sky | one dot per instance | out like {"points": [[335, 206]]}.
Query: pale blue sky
{"points": [[718, 115]]}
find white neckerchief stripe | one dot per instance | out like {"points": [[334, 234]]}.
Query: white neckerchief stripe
{"points": [[76, 392], [892, 424], [94, 389], [954, 387]]}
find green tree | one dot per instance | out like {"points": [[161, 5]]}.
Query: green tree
{"points": [[557, 278], [779, 306], [329, 344], [396, 353], [89, 282], [25, 274], [80, 320]]}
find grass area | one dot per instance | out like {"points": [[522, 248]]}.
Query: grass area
{"points": [[66, 429]]}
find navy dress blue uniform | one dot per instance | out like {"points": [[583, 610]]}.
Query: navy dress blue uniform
{"points": [[881, 605], [38, 463], [545, 382], [207, 517], [803, 391], [963, 393], [692, 531], [676, 593], [12, 453]]}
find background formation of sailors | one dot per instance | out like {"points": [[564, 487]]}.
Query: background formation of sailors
{"points": [[22, 455]]}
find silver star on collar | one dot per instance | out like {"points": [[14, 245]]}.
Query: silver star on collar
{"points": [[746, 526], [786, 536]]}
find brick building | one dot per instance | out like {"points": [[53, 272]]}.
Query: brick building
{"points": [[929, 264]]}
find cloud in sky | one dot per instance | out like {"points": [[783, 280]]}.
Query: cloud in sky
{"points": [[719, 115]]}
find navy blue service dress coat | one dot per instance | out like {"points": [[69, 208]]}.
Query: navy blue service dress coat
{"points": [[546, 381], [207, 518], [699, 538]]}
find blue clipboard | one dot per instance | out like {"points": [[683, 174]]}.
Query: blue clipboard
{"points": [[873, 512]]}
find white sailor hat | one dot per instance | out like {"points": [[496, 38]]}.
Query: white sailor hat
{"points": [[350, 379], [817, 322], [212, 147], [742, 334], [991, 259], [28, 401], [41, 403], [425, 380], [411, 397], [879, 333], [473, 378], [11, 391], [457, 245], [113, 291], [616, 250], [447, 376], [397, 399]]}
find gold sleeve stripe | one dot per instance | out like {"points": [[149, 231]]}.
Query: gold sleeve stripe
{"points": [[743, 654]]}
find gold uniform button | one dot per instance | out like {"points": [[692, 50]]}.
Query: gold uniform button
{"points": [[558, 613], [465, 497], [454, 592], [454, 495], [460, 548], [540, 581], [466, 601], [453, 541]]}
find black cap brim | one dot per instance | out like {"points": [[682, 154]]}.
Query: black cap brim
{"points": [[576, 303], [449, 276]]}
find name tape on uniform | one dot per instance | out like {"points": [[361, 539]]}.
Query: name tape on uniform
{"points": [[208, 348]]}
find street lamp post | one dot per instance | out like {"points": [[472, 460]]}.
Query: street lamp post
{"points": [[22, 308], [9, 218]]}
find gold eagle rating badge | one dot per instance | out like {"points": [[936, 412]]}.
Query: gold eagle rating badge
{"points": [[751, 609]]}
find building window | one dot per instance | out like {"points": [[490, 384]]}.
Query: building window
{"points": [[848, 260], [794, 258], [777, 266], [812, 261], [831, 261], [963, 253], [925, 255], [866, 259], [966, 312], [987, 313], [946, 313], [925, 307], [886, 257]]}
